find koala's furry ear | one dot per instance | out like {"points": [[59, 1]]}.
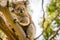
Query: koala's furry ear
{"points": [[26, 3], [13, 5]]}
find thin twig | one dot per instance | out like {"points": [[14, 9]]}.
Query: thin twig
{"points": [[54, 35], [43, 18]]}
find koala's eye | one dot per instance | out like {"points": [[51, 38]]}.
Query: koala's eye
{"points": [[12, 11]]}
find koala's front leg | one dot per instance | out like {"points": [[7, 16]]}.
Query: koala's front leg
{"points": [[31, 31]]}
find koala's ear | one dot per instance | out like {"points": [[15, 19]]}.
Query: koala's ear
{"points": [[13, 5], [25, 3]]}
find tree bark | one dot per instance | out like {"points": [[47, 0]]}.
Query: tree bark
{"points": [[13, 31]]}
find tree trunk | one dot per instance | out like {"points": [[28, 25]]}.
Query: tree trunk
{"points": [[12, 30]]}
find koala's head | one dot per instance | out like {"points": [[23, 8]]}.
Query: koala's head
{"points": [[18, 8]]}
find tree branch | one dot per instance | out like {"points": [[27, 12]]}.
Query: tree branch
{"points": [[54, 35]]}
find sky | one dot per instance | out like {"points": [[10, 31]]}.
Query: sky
{"points": [[37, 13]]}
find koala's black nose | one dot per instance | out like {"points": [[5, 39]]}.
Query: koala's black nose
{"points": [[21, 11], [12, 11]]}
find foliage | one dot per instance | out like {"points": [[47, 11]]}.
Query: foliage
{"points": [[53, 12]]}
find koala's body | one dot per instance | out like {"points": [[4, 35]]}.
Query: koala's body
{"points": [[21, 16]]}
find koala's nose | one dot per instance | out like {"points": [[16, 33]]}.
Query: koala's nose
{"points": [[12, 11], [21, 11]]}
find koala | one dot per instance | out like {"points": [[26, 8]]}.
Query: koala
{"points": [[20, 15]]}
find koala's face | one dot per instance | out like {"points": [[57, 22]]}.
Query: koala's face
{"points": [[18, 8]]}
